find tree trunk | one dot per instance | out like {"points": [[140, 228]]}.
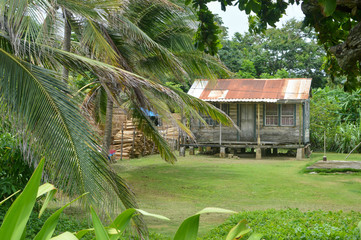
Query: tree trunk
{"points": [[67, 40], [108, 125]]}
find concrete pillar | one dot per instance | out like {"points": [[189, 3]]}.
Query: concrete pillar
{"points": [[300, 154], [191, 150], [275, 151], [258, 153], [222, 154], [182, 151]]}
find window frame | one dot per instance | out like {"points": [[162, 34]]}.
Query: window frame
{"points": [[293, 115], [265, 115]]}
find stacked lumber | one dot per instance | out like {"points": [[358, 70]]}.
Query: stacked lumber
{"points": [[132, 141]]}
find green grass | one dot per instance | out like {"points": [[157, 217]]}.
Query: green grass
{"points": [[194, 182]]}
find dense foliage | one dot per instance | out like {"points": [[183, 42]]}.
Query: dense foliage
{"points": [[290, 51], [14, 171], [294, 224], [337, 24], [337, 113]]}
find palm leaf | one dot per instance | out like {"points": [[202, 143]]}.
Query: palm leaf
{"points": [[38, 101]]}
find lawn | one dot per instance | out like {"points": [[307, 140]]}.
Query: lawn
{"points": [[199, 181]]}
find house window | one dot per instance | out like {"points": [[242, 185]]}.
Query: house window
{"points": [[271, 115], [288, 114]]}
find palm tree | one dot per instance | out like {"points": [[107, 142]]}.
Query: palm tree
{"points": [[41, 107], [155, 40]]}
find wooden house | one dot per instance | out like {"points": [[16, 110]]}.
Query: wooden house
{"points": [[270, 114]]}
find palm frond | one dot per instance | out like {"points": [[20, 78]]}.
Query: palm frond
{"points": [[55, 129]]}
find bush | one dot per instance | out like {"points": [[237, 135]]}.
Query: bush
{"points": [[14, 172], [294, 224]]}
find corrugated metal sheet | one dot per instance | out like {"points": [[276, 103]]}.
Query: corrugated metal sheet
{"points": [[251, 90]]}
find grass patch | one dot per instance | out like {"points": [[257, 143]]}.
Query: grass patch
{"points": [[195, 182], [294, 224]]}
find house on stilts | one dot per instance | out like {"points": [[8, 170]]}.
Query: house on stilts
{"points": [[271, 114]]}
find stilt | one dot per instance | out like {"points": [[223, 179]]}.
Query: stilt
{"points": [[182, 151], [258, 153], [191, 150], [300, 153], [222, 154]]}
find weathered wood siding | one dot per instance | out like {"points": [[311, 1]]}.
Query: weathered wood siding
{"points": [[275, 134]]}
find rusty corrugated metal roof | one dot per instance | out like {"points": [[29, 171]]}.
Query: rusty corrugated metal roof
{"points": [[251, 90]]}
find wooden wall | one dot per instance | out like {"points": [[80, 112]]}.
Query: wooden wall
{"points": [[274, 134]]}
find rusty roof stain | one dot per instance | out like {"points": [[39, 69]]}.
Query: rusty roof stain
{"points": [[251, 90]]}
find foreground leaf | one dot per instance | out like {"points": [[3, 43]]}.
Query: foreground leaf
{"points": [[100, 232], [238, 231], [65, 236], [49, 226], [50, 191], [18, 214], [188, 230]]}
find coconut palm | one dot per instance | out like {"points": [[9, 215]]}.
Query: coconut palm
{"points": [[154, 40], [40, 104]]}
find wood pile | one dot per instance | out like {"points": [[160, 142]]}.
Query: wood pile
{"points": [[131, 143]]}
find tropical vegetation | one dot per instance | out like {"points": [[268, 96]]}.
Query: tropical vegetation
{"points": [[336, 119], [288, 52], [37, 64]]}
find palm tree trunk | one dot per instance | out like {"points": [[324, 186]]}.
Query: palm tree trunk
{"points": [[108, 125], [67, 39]]}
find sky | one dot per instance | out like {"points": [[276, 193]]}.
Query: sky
{"points": [[237, 21]]}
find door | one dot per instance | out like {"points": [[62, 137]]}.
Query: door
{"points": [[246, 121]]}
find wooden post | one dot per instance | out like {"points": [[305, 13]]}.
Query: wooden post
{"points": [[324, 143], [143, 153], [121, 144], [300, 128], [220, 128], [258, 149], [133, 143], [258, 125]]}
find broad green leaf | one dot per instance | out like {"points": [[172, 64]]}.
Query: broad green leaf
{"points": [[50, 224], [100, 232], [65, 236], [329, 6], [45, 188], [152, 215], [50, 191], [239, 230], [255, 236], [123, 220], [359, 226], [18, 214], [215, 210], [188, 230], [82, 232], [9, 197]]}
